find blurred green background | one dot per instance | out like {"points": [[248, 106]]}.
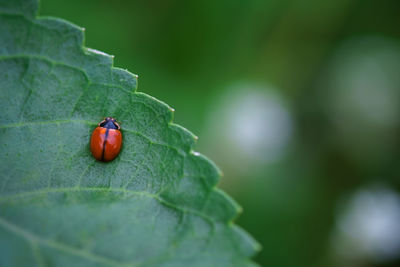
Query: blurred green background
{"points": [[297, 101]]}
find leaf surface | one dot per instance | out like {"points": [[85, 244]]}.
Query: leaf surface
{"points": [[155, 205]]}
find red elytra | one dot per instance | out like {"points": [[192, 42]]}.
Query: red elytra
{"points": [[106, 140]]}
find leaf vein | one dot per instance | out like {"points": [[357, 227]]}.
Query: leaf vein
{"points": [[106, 189], [58, 245], [25, 124]]}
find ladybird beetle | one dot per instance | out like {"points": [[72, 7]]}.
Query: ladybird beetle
{"points": [[106, 140]]}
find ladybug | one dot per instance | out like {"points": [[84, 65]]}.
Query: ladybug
{"points": [[106, 140]]}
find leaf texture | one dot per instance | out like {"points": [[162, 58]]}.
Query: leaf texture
{"points": [[155, 205]]}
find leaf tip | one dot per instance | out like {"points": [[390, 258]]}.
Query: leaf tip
{"points": [[94, 51], [195, 153]]}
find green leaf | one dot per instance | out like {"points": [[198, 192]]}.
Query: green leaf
{"points": [[155, 205]]}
